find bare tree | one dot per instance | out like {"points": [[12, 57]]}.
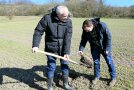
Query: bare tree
{"points": [[3, 2]]}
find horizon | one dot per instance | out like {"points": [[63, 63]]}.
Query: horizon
{"points": [[115, 3]]}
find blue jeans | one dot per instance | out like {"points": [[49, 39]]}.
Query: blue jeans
{"points": [[108, 58], [51, 66]]}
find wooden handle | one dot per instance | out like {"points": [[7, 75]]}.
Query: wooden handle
{"points": [[57, 56]]}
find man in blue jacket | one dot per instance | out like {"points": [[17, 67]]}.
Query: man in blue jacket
{"points": [[99, 37], [58, 32]]}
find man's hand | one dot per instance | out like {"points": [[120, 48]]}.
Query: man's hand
{"points": [[66, 56], [35, 49], [80, 52], [107, 52]]}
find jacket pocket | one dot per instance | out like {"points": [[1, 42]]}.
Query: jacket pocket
{"points": [[51, 48]]}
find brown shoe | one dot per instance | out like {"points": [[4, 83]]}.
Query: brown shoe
{"points": [[95, 81], [112, 82]]}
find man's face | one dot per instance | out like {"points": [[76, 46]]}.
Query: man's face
{"points": [[63, 17], [88, 28]]}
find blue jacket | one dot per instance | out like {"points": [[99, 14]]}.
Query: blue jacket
{"points": [[104, 34]]}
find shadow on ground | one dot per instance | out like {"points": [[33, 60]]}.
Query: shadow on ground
{"points": [[26, 76], [30, 77]]}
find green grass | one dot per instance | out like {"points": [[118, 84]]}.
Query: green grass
{"points": [[16, 41]]}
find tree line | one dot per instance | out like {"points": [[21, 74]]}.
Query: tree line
{"points": [[78, 8]]}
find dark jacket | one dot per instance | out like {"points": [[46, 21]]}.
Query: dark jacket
{"points": [[57, 34], [103, 34]]}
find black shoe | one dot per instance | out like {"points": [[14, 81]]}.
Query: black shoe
{"points": [[66, 85], [49, 83]]}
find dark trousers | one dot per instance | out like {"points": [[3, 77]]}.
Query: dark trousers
{"points": [[51, 66], [108, 58]]}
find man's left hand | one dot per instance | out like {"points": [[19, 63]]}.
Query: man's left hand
{"points": [[107, 52], [66, 56]]}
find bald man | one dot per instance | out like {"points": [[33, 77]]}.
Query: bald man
{"points": [[58, 32]]}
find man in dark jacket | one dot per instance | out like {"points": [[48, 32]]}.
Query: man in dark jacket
{"points": [[58, 32], [99, 37]]}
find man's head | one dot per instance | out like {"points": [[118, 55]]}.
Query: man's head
{"points": [[62, 12], [88, 25]]}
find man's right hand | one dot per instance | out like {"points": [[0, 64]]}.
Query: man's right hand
{"points": [[35, 49], [80, 52]]}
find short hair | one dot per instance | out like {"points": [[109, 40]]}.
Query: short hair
{"points": [[61, 9], [87, 22]]}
